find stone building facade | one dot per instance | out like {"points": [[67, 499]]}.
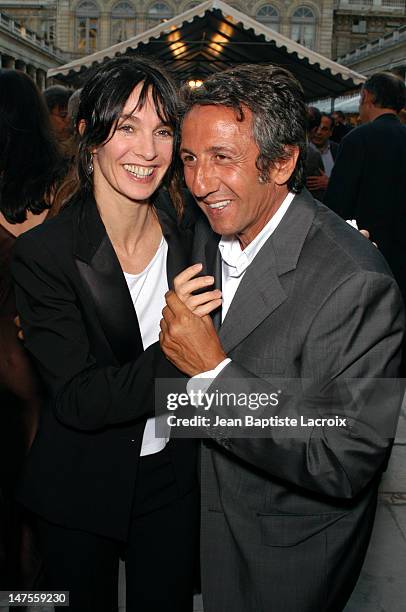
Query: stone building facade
{"points": [[357, 22], [25, 50], [80, 27]]}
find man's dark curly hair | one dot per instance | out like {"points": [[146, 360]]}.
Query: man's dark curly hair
{"points": [[276, 101]]}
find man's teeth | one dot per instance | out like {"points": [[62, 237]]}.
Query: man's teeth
{"points": [[221, 204], [139, 171]]}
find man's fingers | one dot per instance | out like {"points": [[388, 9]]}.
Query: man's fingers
{"points": [[365, 233], [205, 309], [167, 314], [164, 326], [174, 303]]}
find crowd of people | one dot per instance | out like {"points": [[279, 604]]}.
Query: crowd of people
{"points": [[146, 234]]}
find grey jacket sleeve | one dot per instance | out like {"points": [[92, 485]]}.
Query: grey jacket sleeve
{"points": [[353, 342]]}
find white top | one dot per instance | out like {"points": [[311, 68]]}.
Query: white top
{"points": [[234, 263], [147, 291]]}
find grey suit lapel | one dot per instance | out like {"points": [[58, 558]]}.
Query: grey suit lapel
{"points": [[260, 291]]}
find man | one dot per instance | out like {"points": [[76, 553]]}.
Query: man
{"points": [[309, 315], [57, 99], [328, 150], [314, 168], [341, 128], [368, 181]]}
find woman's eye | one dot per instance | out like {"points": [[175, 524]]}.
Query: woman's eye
{"points": [[128, 129], [165, 132]]}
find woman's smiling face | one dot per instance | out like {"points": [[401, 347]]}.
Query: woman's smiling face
{"points": [[135, 159]]}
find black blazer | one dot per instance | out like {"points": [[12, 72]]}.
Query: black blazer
{"points": [[82, 330], [368, 183]]}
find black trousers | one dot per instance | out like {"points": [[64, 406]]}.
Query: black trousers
{"points": [[160, 554]]}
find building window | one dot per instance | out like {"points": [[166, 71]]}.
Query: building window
{"points": [[359, 26], [304, 27], [191, 5], [269, 16], [87, 27], [159, 11], [48, 30], [122, 22]]}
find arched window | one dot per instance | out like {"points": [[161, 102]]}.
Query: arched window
{"points": [[159, 11], [269, 16], [304, 26], [122, 22], [87, 27]]}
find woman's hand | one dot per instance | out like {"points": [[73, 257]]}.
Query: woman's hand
{"points": [[188, 282]]}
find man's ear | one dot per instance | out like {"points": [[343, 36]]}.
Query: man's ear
{"points": [[282, 169]]}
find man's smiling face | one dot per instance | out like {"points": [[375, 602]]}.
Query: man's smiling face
{"points": [[219, 155]]}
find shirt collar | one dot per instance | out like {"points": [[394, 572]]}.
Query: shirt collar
{"points": [[238, 260]]}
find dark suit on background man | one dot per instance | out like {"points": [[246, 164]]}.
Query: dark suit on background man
{"points": [[286, 521], [368, 183]]}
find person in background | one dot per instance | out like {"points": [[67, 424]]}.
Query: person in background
{"points": [[90, 287], [341, 128], [314, 164], [57, 99], [31, 168], [320, 139], [368, 182]]}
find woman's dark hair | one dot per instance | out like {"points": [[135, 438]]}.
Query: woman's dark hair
{"points": [[276, 101], [30, 162], [102, 100]]}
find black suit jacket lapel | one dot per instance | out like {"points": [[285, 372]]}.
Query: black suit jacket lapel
{"points": [[101, 273], [213, 268], [179, 244]]}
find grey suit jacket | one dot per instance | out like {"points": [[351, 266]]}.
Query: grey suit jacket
{"points": [[286, 519]]}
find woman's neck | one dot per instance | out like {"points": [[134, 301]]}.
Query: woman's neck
{"points": [[134, 231]]}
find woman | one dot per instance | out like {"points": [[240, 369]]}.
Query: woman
{"points": [[90, 288], [30, 170]]}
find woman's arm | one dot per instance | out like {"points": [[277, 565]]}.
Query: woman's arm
{"points": [[84, 395]]}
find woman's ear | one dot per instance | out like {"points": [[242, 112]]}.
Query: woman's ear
{"points": [[81, 126]]}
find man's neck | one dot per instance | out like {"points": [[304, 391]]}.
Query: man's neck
{"points": [[376, 112]]}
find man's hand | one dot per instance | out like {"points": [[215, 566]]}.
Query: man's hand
{"points": [[186, 283], [314, 183], [189, 342]]}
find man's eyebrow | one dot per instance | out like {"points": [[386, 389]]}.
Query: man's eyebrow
{"points": [[214, 149]]}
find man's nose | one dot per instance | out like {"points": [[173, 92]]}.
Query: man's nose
{"points": [[204, 180]]}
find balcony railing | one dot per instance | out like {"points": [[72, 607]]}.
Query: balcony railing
{"points": [[371, 5], [379, 44], [13, 26]]}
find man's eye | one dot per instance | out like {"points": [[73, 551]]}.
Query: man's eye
{"points": [[221, 156], [187, 159]]}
